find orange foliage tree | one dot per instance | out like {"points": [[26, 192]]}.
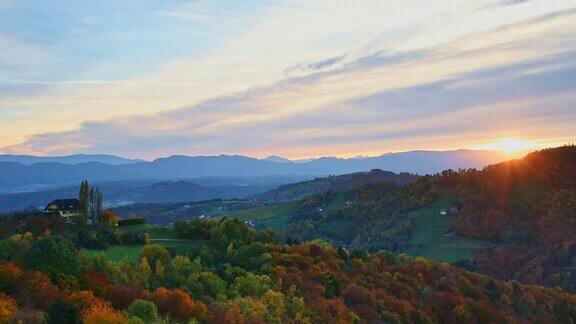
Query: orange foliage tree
{"points": [[178, 304], [8, 308], [36, 289], [102, 313]]}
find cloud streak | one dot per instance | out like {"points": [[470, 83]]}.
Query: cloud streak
{"points": [[403, 91]]}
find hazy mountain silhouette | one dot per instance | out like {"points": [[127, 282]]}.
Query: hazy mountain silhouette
{"points": [[16, 177], [68, 159]]}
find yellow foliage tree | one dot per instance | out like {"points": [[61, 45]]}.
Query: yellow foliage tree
{"points": [[8, 307]]}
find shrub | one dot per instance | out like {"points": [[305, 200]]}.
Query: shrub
{"points": [[131, 222], [134, 238], [99, 238], [109, 218]]}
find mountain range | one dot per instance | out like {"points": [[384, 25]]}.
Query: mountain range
{"points": [[68, 159], [27, 173]]}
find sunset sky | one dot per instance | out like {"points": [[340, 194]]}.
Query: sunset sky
{"points": [[149, 78]]}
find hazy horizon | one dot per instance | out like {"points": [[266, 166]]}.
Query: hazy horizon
{"points": [[514, 154]]}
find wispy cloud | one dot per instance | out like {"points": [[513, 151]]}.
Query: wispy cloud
{"points": [[502, 3], [320, 78], [305, 68]]}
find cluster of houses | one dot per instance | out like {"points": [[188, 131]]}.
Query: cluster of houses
{"points": [[450, 210]]}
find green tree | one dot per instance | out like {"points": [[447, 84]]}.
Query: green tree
{"points": [[145, 272], [252, 285], [135, 320], [99, 202], [53, 256], [205, 283], [83, 205], [92, 205], [62, 312], [143, 309], [95, 205], [154, 253]]}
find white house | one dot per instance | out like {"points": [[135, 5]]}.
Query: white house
{"points": [[66, 208]]}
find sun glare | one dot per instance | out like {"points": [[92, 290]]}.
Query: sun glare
{"points": [[512, 145]]}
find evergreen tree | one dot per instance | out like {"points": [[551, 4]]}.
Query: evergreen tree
{"points": [[62, 312], [95, 203], [99, 203], [92, 205], [83, 206]]}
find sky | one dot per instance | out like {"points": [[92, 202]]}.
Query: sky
{"points": [[299, 79]]}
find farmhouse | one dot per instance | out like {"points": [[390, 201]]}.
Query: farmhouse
{"points": [[66, 208]]}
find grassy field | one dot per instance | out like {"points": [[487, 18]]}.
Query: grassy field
{"points": [[155, 232], [117, 252], [336, 229], [273, 216], [160, 235], [432, 235]]}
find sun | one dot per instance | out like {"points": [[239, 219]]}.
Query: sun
{"points": [[512, 145]]}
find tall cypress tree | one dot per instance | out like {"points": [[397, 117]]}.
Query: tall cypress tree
{"points": [[99, 203], [84, 198], [92, 205]]}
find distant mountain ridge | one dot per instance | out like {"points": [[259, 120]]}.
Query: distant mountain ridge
{"points": [[68, 159], [275, 158], [15, 177]]}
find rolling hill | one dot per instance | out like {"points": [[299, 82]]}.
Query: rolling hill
{"points": [[300, 190], [512, 220], [119, 193]]}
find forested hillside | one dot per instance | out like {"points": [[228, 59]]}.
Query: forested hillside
{"points": [[514, 220], [225, 272], [529, 207], [300, 190]]}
